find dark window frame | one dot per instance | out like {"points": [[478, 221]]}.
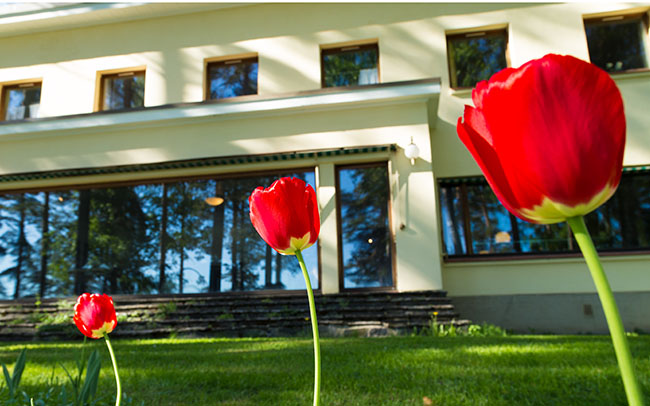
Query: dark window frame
{"points": [[117, 73], [605, 20], [339, 236], [474, 33], [332, 50], [210, 62], [470, 256], [5, 88]]}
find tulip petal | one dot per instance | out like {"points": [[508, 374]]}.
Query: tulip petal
{"points": [[474, 134], [286, 215], [549, 137]]}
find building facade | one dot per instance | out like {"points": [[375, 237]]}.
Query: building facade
{"points": [[132, 135]]}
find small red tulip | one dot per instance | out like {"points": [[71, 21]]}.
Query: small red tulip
{"points": [[549, 137], [94, 315], [285, 215]]}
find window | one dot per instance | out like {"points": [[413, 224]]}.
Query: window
{"points": [[618, 43], [231, 78], [476, 56], [21, 101], [110, 239], [364, 218], [350, 66], [121, 90], [474, 223]]}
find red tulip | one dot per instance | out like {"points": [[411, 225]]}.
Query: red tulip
{"points": [[94, 315], [286, 215], [548, 136]]}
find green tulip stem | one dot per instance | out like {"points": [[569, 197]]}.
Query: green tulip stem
{"points": [[621, 347], [117, 375], [314, 327]]}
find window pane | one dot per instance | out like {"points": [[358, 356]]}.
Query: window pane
{"points": [[472, 59], [22, 102], [623, 223], [232, 79], [544, 238], [366, 242], [350, 67], [617, 45], [123, 92], [490, 223], [453, 230], [248, 263], [118, 245]]}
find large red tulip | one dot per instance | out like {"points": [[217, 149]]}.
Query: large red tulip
{"points": [[285, 215], [548, 136], [94, 315]]}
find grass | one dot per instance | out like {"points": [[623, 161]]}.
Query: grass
{"points": [[513, 370]]}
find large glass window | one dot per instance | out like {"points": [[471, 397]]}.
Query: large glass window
{"points": [[122, 90], [231, 78], [178, 237], [476, 56], [476, 224], [350, 66], [618, 43], [364, 212], [21, 101]]}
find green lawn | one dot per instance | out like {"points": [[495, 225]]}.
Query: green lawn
{"points": [[515, 370]]}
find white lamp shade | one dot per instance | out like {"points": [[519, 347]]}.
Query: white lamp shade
{"points": [[412, 151]]}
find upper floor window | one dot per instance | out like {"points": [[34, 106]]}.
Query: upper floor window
{"points": [[350, 65], [618, 43], [231, 78], [121, 90], [475, 56], [21, 101]]}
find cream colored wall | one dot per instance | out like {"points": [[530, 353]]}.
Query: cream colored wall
{"points": [[412, 45]]}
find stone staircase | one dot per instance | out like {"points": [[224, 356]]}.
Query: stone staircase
{"points": [[236, 315]]}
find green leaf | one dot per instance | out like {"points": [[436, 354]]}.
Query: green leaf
{"points": [[8, 380], [19, 368], [89, 388]]}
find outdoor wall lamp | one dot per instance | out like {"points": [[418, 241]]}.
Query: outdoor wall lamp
{"points": [[412, 152]]}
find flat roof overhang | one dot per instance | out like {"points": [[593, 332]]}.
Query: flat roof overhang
{"points": [[50, 130]]}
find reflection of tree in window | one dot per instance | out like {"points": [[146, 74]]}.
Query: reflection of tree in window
{"points": [[452, 216], [473, 59], [123, 92], [487, 218], [364, 226], [118, 242], [232, 78], [356, 66], [185, 223], [622, 223], [617, 45], [19, 213]]}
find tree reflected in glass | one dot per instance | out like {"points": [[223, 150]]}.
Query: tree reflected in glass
{"points": [[365, 234]]}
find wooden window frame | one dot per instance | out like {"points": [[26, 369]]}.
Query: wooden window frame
{"points": [[121, 72], [341, 48], [644, 18], [226, 60], [15, 84], [474, 33], [393, 250]]}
